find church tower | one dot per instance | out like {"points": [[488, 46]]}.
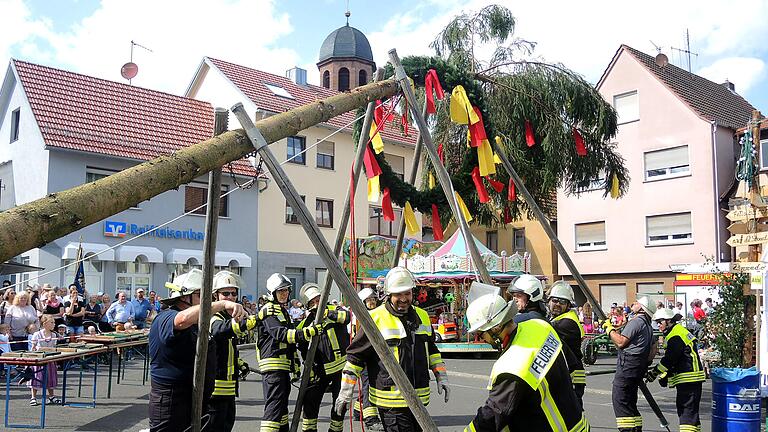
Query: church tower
{"points": [[346, 60]]}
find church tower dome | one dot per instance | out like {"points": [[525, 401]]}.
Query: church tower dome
{"points": [[346, 59]]}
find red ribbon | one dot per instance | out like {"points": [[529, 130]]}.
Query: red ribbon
{"points": [[404, 117], [581, 149], [386, 206], [372, 168], [482, 193], [511, 193], [507, 216], [378, 115], [440, 153], [437, 228], [477, 130], [495, 184], [529, 138], [431, 82]]}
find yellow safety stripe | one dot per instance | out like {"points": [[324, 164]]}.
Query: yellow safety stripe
{"points": [[548, 405], [686, 377], [284, 420], [579, 376], [309, 424], [571, 315], [224, 388], [690, 428], [273, 364], [354, 369], [393, 398], [391, 327], [435, 359], [341, 316], [424, 329], [269, 426], [581, 426], [662, 368], [370, 412], [335, 366], [625, 422], [230, 360], [291, 336], [336, 426]]}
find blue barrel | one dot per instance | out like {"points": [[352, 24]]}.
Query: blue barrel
{"points": [[735, 400]]}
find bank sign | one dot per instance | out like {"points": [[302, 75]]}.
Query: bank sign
{"points": [[123, 229]]}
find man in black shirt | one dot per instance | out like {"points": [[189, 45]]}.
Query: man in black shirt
{"points": [[172, 345]]}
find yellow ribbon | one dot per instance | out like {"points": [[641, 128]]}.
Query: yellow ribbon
{"points": [[431, 181], [373, 189], [461, 108], [376, 142], [614, 187], [463, 208], [485, 159], [499, 145], [411, 224]]}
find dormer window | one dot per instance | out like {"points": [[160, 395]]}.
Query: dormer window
{"points": [[278, 91]]}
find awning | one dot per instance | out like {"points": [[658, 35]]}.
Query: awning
{"points": [[129, 253], [70, 251], [13, 267], [224, 258]]}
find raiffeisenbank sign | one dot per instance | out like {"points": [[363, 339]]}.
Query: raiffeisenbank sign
{"points": [[122, 229]]}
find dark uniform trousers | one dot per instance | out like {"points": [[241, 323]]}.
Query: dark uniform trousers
{"points": [[369, 411], [624, 397], [222, 412], [579, 389], [314, 397], [169, 408], [277, 388], [398, 420], [687, 401]]}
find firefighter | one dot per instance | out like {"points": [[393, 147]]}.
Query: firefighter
{"points": [[408, 331], [330, 357], [530, 386], [680, 368], [277, 354], [636, 348], [566, 324], [369, 411], [528, 293], [224, 333]]}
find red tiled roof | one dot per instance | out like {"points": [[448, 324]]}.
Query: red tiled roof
{"points": [[252, 83], [84, 113]]}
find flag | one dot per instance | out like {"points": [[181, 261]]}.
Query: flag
{"points": [[80, 273]]}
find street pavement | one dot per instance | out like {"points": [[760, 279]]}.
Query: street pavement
{"points": [[127, 409]]}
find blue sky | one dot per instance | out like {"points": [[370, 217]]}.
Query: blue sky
{"points": [[93, 37]]}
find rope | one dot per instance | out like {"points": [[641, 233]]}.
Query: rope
{"points": [[237, 187]]}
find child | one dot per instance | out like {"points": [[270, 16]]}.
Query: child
{"points": [[31, 330], [61, 334], [5, 331], [44, 338]]}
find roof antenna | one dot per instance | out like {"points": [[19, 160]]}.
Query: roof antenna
{"points": [[661, 58], [131, 69], [687, 49], [347, 13]]}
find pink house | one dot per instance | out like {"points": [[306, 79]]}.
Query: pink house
{"points": [[676, 133]]}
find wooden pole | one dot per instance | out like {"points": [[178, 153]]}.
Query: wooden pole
{"points": [[442, 174], [362, 144], [307, 222], [39, 222], [209, 258], [411, 180]]}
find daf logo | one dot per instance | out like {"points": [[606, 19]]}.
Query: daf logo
{"points": [[748, 407]]}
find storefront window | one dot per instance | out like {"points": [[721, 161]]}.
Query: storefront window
{"points": [[134, 275]]}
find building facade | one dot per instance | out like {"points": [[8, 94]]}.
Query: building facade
{"points": [[676, 134], [59, 130]]}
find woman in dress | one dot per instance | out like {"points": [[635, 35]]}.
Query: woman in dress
{"points": [[45, 338], [19, 317]]}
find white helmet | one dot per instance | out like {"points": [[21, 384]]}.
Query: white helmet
{"points": [[399, 280], [184, 284], [365, 293], [563, 291], [530, 285], [227, 279], [308, 292], [648, 306], [277, 281], [488, 311]]}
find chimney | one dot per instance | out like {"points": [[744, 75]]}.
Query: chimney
{"points": [[297, 75], [729, 85]]}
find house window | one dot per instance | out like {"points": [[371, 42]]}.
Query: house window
{"points": [[378, 226], [93, 174], [296, 147], [669, 229], [327, 79], [627, 107], [133, 275], [362, 78], [764, 154], [196, 200], [290, 216], [518, 238], [325, 156], [492, 241], [595, 184], [93, 272], [590, 236], [343, 79], [15, 117], [397, 163], [667, 163], [324, 212], [296, 275], [650, 288], [279, 91], [612, 293]]}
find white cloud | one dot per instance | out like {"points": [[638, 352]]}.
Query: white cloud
{"points": [[744, 72], [179, 33], [19, 28]]}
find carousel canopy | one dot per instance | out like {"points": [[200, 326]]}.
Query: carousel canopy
{"points": [[452, 260]]}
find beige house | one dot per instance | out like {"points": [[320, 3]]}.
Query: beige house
{"points": [[318, 159]]}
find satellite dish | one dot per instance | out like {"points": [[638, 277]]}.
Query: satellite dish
{"points": [[129, 70], [661, 60]]}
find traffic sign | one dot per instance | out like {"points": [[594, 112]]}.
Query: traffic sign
{"points": [[748, 239]]}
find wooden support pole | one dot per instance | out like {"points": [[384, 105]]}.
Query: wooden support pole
{"points": [[209, 258], [442, 174], [309, 224], [362, 144]]}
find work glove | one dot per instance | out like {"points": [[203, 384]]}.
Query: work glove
{"points": [[652, 374], [251, 322], [608, 326], [346, 394], [243, 368], [441, 376], [309, 332]]}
